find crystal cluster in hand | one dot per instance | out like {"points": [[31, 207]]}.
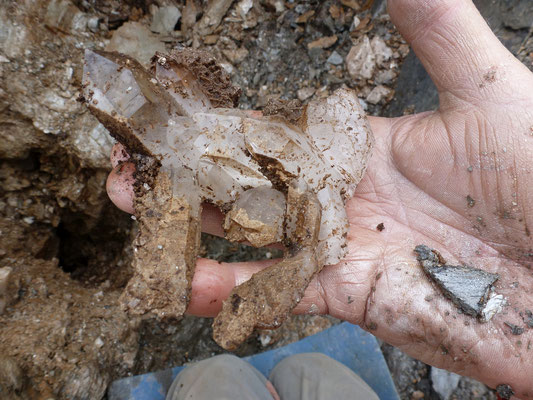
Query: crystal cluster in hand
{"points": [[276, 180]]}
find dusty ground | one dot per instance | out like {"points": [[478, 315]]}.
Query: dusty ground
{"points": [[61, 334]]}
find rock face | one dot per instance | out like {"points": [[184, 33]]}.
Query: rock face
{"points": [[279, 181]]}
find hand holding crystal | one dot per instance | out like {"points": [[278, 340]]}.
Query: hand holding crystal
{"points": [[479, 143]]}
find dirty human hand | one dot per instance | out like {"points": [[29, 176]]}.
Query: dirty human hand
{"points": [[457, 180]]}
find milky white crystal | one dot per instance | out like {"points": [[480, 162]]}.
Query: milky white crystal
{"points": [[214, 148]]}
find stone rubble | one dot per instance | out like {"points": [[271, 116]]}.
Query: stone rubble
{"points": [[323, 42], [444, 382], [164, 19], [335, 58], [381, 50], [305, 93], [378, 94], [385, 76], [212, 16], [137, 41], [361, 60]]}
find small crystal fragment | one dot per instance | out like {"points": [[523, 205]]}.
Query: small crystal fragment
{"points": [[257, 216], [493, 306]]}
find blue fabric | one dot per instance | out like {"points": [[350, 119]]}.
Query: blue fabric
{"points": [[346, 343]]}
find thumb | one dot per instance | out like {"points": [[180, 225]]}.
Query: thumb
{"points": [[456, 46], [213, 282]]}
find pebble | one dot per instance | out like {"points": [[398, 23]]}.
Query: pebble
{"points": [[353, 4], [244, 7], [504, 391], [444, 382], [382, 52], [279, 6], [361, 60], [228, 67], [385, 76], [210, 39], [377, 94], [355, 23], [29, 220], [212, 16], [236, 56], [305, 93], [322, 43], [335, 11], [335, 58], [403, 49], [417, 394], [302, 19], [98, 343], [164, 19], [93, 24], [265, 339]]}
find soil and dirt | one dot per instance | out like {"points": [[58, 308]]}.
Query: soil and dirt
{"points": [[505, 391], [62, 334], [165, 253], [214, 80], [291, 110]]}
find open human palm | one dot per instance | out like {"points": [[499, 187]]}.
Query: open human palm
{"points": [[457, 180]]}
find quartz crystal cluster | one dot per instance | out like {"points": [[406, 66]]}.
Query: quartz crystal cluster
{"points": [[276, 181]]}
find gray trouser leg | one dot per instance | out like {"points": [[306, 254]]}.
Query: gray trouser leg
{"points": [[314, 376], [224, 377]]}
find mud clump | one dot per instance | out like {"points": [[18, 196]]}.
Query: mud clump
{"points": [[528, 319], [215, 82], [275, 180], [291, 110], [164, 259], [505, 391], [66, 320], [515, 329]]}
